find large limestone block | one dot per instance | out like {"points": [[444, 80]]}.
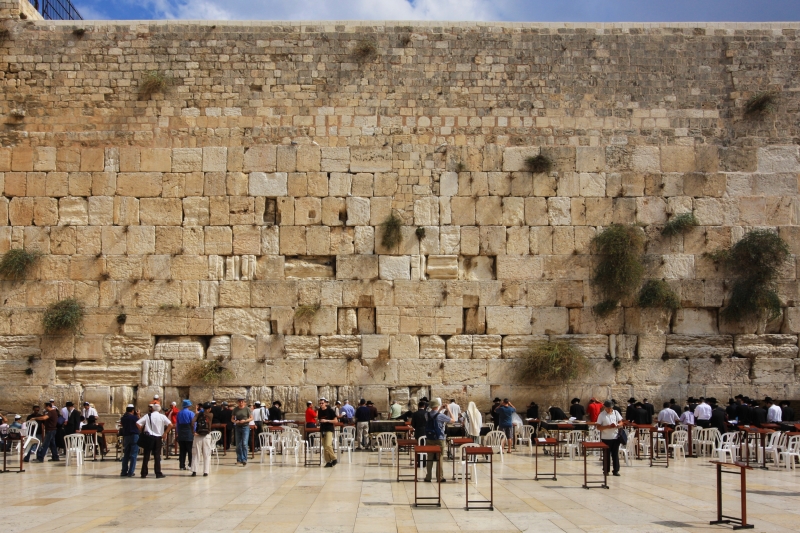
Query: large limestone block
{"points": [[42, 372], [187, 159], [219, 347], [420, 372], [519, 345], [357, 267], [778, 159], [647, 320], [139, 184], [486, 346], [591, 346], [463, 372], [677, 159], [301, 346], [335, 159], [784, 346], [322, 322], [692, 346], [392, 267], [306, 268], [72, 211], [590, 159], [284, 372], [514, 267], [129, 347], [161, 211], [654, 371], [514, 157], [459, 347], [432, 347], [549, 320], [370, 159], [340, 346], [558, 211], [242, 321], [442, 267], [695, 322], [501, 320], [773, 370], [273, 293], [373, 372], [269, 184], [358, 211], [98, 373], [727, 371], [260, 159], [156, 373], [651, 346], [327, 371], [20, 347], [404, 347], [375, 346], [180, 348], [476, 268]]}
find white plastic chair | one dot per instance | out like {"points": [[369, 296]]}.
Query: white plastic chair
{"points": [[387, 442], [770, 445], [216, 436], [91, 446], [265, 440], [792, 452], [347, 439], [727, 447], [421, 442], [679, 439], [74, 446], [292, 444], [780, 446], [466, 464], [524, 435], [629, 450], [497, 440], [574, 439]]}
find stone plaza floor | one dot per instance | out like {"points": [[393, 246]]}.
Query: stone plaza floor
{"points": [[363, 497]]}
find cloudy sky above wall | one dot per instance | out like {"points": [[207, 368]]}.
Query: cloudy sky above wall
{"points": [[466, 10]]}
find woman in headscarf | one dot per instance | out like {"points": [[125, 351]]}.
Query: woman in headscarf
{"points": [[473, 422]]}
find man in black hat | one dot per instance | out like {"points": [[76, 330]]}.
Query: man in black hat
{"points": [[73, 423], [275, 412], [787, 413], [650, 411], [495, 405], [718, 417], [730, 411], [576, 410], [630, 411], [759, 416], [744, 413]]}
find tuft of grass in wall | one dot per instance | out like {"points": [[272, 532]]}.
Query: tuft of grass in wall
{"points": [[365, 51], [754, 262], [619, 267], [617, 364], [461, 167], [122, 318], [679, 224], [169, 307], [64, 316], [210, 372], [306, 311], [760, 104], [420, 233], [15, 263], [79, 32], [665, 356], [405, 40], [152, 82], [29, 371], [538, 164], [658, 293], [5, 35], [392, 231], [552, 361]]}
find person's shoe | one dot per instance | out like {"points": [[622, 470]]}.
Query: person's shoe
{"points": [[334, 462], [123, 474], [328, 465], [144, 476], [54, 460], [39, 460], [183, 468], [244, 464], [159, 476], [616, 474], [131, 475], [427, 480], [205, 475], [443, 480], [194, 474], [28, 460]]}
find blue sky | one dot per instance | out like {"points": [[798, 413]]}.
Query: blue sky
{"points": [[487, 10]]}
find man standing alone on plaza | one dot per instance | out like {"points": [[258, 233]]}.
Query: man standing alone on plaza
{"points": [[242, 416], [185, 434], [608, 422], [435, 420], [505, 417], [156, 426], [363, 416], [327, 417]]}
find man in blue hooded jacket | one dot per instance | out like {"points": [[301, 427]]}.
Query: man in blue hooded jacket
{"points": [[185, 433]]}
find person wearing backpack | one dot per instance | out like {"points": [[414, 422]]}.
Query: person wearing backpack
{"points": [[435, 420], [202, 438]]}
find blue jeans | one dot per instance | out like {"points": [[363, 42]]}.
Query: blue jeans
{"points": [[242, 437], [130, 445], [49, 443]]}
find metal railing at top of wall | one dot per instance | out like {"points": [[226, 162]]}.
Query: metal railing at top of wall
{"points": [[56, 9]]}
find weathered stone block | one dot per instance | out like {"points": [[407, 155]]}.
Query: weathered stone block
{"points": [[242, 321], [689, 346]]}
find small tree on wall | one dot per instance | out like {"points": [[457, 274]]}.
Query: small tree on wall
{"points": [[552, 361], [619, 267]]}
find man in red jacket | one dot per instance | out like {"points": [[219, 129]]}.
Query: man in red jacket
{"points": [[593, 410]]}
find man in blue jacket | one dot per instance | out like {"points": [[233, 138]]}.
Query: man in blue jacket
{"points": [[185, 433]]}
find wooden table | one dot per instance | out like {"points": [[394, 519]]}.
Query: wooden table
{"points": [[433, 453], [606, 459], [544, 442], [453, 444], [117, 443], [474, 452], [742, 468], [406, 444]]}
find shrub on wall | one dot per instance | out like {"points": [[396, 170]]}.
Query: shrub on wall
{"points": [[658, 293], [392, 234], [210, 372], [15, 263], [63, 316], [760, 104], [552, 361], [152, 82], [679, 224], [619, 267], [754, 262], [538, 164]]}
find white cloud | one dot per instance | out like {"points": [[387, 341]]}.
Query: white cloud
{"points": [[325, 9]]}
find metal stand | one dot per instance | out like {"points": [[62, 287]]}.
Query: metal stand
{"points": [[475, 451], [739, 523], [434, 453], [655, 456], [595, 446], [543, 443], [308, 453], [408, 445], [8, 442]]}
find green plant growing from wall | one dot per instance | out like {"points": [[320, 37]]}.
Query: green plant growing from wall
{"points": [[538, 164], [760, 104], [460, 167], [209, 372], [619, 267], [365, 51], [15, 263], [658, 293], [754, 262], [306, 311], [152, 82], [392, 231], [552, 361], [63, 316], [679, 224], [420, 233]]}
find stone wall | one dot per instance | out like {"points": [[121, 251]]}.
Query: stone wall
{"points": [[238, 213]]}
